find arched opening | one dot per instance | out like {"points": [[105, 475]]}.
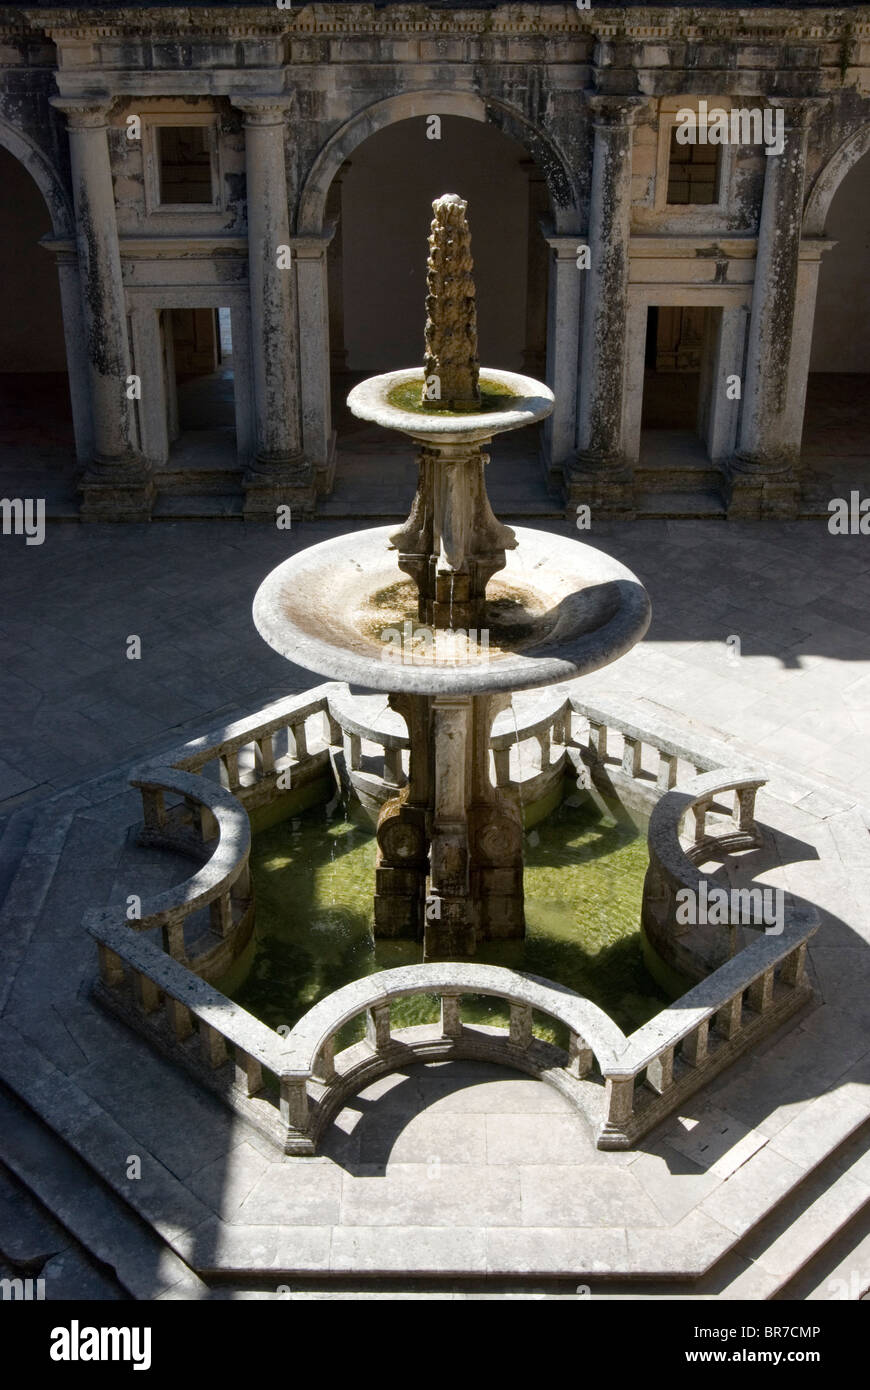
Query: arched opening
{"points": [[836, 430], [382, 198], [37, 445]]}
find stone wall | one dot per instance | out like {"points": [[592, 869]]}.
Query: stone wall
{"points": [[289, 96]]}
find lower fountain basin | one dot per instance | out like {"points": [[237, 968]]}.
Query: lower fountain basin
{"points": [[558, 610]]}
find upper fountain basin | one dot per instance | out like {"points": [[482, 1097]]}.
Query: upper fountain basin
{"points": [[558, 610], [516, 401]]}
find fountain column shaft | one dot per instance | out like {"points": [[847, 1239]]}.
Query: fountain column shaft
{"points": [[452, 543], [449, 863]]}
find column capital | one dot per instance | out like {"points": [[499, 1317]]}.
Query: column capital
{"points": [[564, 244], [85, 113], [799, 112], [609, 109], [267, 109]]}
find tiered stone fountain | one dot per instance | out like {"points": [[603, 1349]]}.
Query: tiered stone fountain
{"points": [[450, 865]]}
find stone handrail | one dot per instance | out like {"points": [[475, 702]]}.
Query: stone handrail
{"points": [[695, 946], [639, 1079], [225, 745], [670, 747], [209, 823], [151, 977]]}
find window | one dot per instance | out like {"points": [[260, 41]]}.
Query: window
{"points": [[184, 161], [693, 173]]}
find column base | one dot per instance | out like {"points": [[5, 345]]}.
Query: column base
{"points": [[607, 488], [116, 492], [761, 490], [269, 485]]}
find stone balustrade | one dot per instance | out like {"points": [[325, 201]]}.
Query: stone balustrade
{"points": [[204, 821], [692, 948], [650, 754], [292, 1087], [282, 747], [623, 1086]]}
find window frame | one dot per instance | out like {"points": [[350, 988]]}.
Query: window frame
{"points": [[152, 124], [667, 122]]}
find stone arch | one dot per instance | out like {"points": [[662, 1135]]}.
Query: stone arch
{"points": [[370, 119], [43, 175], [829, 178]]}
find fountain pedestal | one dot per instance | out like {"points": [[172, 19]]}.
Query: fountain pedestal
{"points": [[450, 861], [450, 864], [452, 543]]}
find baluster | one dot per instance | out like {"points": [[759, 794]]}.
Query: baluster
{"points": [[241, 889], [598, 740], [579, 1057], [221, 915], [293, 1102], [230, 765], [179, 1017], [730, 1017], [694, 1047], [153, 808], [502, 759], [378, 1026], [266, 751], [560, 732], [451, 1017], [545, 744], [324, 1062], [667, 773], [298, 741], [631, 754], [111, 966], [794, 967], [699, 813], [744, 807], [146, 992], [393, 771], [660, 1071], [173, 939], [521, 1025], [618, 1102], [333, 728], [760, 992], [213, 1045], [249, 1073], [352, 751]]}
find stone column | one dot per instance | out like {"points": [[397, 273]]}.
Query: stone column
{"points": [[600, 474], [563, 342], [318, 436], [279, 473], [67, 261], [534, 353], [763, 473], [116, 485], [337, 346]]}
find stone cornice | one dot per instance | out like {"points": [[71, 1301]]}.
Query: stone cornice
{"points": [[325, 20]]}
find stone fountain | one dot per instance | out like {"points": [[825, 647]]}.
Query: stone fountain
{"points": [[450, 863]]}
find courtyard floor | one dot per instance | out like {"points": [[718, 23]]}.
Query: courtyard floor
{"points": [[459, 1168]]}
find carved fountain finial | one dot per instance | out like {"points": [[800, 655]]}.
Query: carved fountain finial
{"points": [[451, 312]]}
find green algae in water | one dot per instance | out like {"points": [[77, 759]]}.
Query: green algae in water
{"points": [[314, 881], [493, 396]]}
